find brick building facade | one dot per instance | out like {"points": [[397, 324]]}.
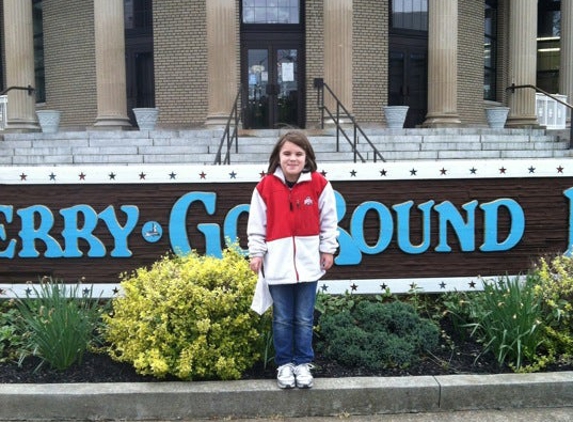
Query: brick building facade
{"points": [[199, 56]]}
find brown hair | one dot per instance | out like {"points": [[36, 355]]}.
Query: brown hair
{"points": [[298, 138]]}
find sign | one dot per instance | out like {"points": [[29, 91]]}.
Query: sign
{"points": [[433, 226]]}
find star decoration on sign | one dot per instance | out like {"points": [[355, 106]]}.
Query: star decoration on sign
{"points": [[443, 171], [82, 176], [531, 169], [111, 176], [28, 291], [502, 170], [86, 292], [353, 173], [413, 172], [203, 175], [52, 176], [473, 170], [324, 288], [383, 172], [2, 292], [23, 176], [472, 284], [142, 176], [413, 286], [353, 287], [172, 176], [560, 169], [383, 286], [115, 291], [442, 285], [233, 175], [262, 174], [323, 173]]}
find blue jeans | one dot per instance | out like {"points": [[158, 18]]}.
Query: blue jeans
{"points": [[293, 319]]}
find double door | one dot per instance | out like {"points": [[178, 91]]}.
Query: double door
{"points": [[408, 79], [272, 83]]}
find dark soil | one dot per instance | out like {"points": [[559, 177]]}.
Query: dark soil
{"points": [[449, 360]]}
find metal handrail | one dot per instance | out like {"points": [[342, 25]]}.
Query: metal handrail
{"points": [[513, 87], [320, 85], [28, 88], [229, 137]]}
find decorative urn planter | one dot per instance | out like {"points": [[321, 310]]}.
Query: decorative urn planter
{"points": [[146, 118], [496, 117], [49, 120], [395, 116]]}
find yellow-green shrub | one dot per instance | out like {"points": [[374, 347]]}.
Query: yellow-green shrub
{"points": [[187, 316], [556, 292]]}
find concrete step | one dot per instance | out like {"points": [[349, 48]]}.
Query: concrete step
{"points": [[201, 146]]}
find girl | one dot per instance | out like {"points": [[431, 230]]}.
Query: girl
{"points": [[292, 231]]}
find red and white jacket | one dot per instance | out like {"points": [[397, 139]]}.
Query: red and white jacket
{"points": [[289, 227]]}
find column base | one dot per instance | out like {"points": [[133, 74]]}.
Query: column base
{"points": [[522, 122], [217, 121], [15, 126], [442, 120], [112, 123]]}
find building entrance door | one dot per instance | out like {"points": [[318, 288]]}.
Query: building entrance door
{"points": [[408, 84], [272, 85]]}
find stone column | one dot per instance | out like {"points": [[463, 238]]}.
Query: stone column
{"points": [[19, 56], [566, 64], [442, 64], [522, 62], [222, 42], [338, 75], [110, 65]]}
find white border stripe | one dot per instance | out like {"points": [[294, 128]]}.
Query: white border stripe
{"points": [[184, 173]]}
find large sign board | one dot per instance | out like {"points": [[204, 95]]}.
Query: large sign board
{"points": [[430, 225]]}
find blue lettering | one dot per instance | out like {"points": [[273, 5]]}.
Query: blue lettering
{"points": [[178, 228], [403, 216], [386, 227], [465, 231], [7, 210], [516, 230], [349, 253], [72, 232], [119, 233], [29, 233]]}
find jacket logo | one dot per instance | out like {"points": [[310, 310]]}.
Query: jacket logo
{"points": [[308, 201]]}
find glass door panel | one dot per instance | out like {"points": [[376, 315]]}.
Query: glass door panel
{"points": [[287, 80], [257, 109]]}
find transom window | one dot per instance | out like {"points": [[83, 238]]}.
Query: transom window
{"points": [[410, 14], [271, 11]]}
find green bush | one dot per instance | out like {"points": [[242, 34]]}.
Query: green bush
{"points": [[58, 323], [376, 335], [10, 339], [555, 289], [189, 317], [507, 318]]}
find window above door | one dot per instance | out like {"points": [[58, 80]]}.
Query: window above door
{"points": [[271, 12]]}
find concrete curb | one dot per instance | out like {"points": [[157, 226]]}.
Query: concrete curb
{"points": [[262, 399]]}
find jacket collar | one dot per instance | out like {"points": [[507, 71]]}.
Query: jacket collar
{"points": [[305, 176]]}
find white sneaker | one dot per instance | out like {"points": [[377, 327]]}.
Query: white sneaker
{"points": [[285, 376], [303, 376]]}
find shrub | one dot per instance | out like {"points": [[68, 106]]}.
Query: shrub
{"points": [[59, 323], [10, 339], [507, 318], [187, 316], [376, 335], [555, 289]]}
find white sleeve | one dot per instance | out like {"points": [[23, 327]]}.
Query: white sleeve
{"points": [[257, 226], [328, 220]]}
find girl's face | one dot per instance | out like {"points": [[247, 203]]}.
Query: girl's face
{"points": [[292, 160]]}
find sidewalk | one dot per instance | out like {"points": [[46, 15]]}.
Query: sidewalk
{"points": [[256, 399]]}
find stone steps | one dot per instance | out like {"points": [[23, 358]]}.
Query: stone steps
{"points": [[200, 146]]}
